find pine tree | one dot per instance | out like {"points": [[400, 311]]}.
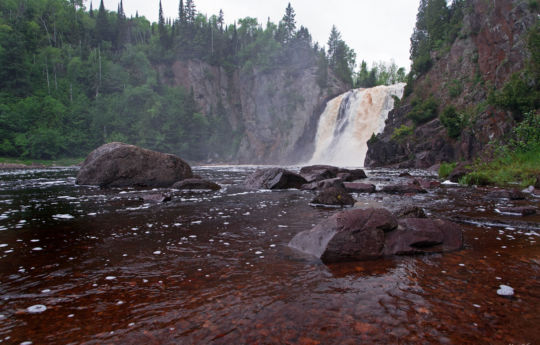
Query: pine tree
{"points": [[91, 11], [190, 11], [289, 23], [181, 13], [221, 20], [333, 41], [161, 27], [102, 24]]}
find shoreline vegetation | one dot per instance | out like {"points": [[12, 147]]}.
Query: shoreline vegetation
{"points": [[22, 163]]}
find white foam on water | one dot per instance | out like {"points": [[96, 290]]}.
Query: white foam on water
{"points": [[37, 248], [63, 216], [110, 278], [36, 309], [505, 290], [157, 252]]}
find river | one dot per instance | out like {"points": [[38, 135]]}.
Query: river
{"points": [[82, 265]]}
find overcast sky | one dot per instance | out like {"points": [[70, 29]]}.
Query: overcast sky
{"points": [[377, 30]]}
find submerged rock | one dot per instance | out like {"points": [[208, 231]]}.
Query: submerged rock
{"points": [[274, 178], [157, 198], [347, 236], [421, 235], [513, 194], [121, 165], [363, 234], [524, 211], [411, 212], [334, 196], [355, 187], [196, 183], [403, 189]]}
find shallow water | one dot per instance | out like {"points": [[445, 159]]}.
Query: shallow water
{"points": [[82, 265]]}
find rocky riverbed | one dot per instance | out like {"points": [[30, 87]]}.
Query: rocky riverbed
{"points": [[87, 265]]}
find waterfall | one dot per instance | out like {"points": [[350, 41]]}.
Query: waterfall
{"points": [[349, 120]]}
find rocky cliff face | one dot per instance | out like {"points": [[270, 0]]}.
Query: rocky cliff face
{"points": [[276, 111], [491, 46]]}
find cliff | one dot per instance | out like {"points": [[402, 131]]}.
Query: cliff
{"points": [[490, 47], [273, 111]]}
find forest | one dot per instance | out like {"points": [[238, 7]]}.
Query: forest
{"points": [[74, 78]]}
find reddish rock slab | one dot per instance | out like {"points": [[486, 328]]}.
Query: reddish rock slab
{"points": [[355, 187], [121, 165], [513, 194], [274, 178], [411, 212], [315, 173], [421, 235], [403, 189], [351, 175], [347, 236], [155, 198]]}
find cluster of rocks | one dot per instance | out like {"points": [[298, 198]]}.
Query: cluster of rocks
{"points": [[366, 234], [357, 234], [333, 184]]}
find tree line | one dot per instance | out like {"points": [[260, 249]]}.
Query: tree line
{"points": [[74, 78]]}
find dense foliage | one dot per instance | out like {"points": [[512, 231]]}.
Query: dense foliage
{"points": [[423, 110], [72, 79]]}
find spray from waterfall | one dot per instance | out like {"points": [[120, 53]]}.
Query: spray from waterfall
{"points": [[348, 122]]}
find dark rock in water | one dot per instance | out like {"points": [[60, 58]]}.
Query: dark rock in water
{"points": [[274, 178], [420, 235], [403, 189], [335, 196], [318, 185], [363, 234], [195, 183], [459, 171], [347, 236], [314, 173], [122, 165], [524, 211], [411, 212], [513, 194], [351, 175], [405, 174], [157, 198], [355, 187], [428, 184]]}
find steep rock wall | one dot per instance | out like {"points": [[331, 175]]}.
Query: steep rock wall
{"points": [[275, 110], [491, 46]]}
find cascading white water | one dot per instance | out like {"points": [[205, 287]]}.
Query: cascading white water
{"points": [[348, 122]]}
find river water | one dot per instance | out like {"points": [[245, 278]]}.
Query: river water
{"points": [[82, 265]]}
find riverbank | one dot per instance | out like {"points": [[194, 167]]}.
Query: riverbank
{"points": [[21, 163]]}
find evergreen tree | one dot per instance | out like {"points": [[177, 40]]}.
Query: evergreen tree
{"points": [[161, 27], [91, 11], [221, 20], [181, 13], [289, 24], [102, 24], [191, 12]]}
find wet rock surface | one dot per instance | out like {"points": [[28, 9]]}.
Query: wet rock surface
{"points": [[122, 165], [355, 187], [274, 178], [196, 183], [367, 234], [197, 269], [403, 189], [333, 196]]}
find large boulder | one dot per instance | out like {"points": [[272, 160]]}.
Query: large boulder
{"points": [[315, 173], [347, 236], [351, 175], [363, 234], [121, 165], [355, 187], [195, 183], [333, 196], [274, 178]]}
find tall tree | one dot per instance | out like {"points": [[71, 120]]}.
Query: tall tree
{"points": [[333, 42], [191, 12], [102, 24], [221, 20], [161, 27], [289, 23], [181, 12], [91, 11]]}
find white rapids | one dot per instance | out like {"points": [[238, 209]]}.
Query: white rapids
{"points": [[348, 122]]}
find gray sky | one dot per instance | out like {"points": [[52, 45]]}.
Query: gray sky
{"points": [[377, 30]]}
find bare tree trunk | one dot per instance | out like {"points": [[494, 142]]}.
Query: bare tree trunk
{"points": [[47, 72]]}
